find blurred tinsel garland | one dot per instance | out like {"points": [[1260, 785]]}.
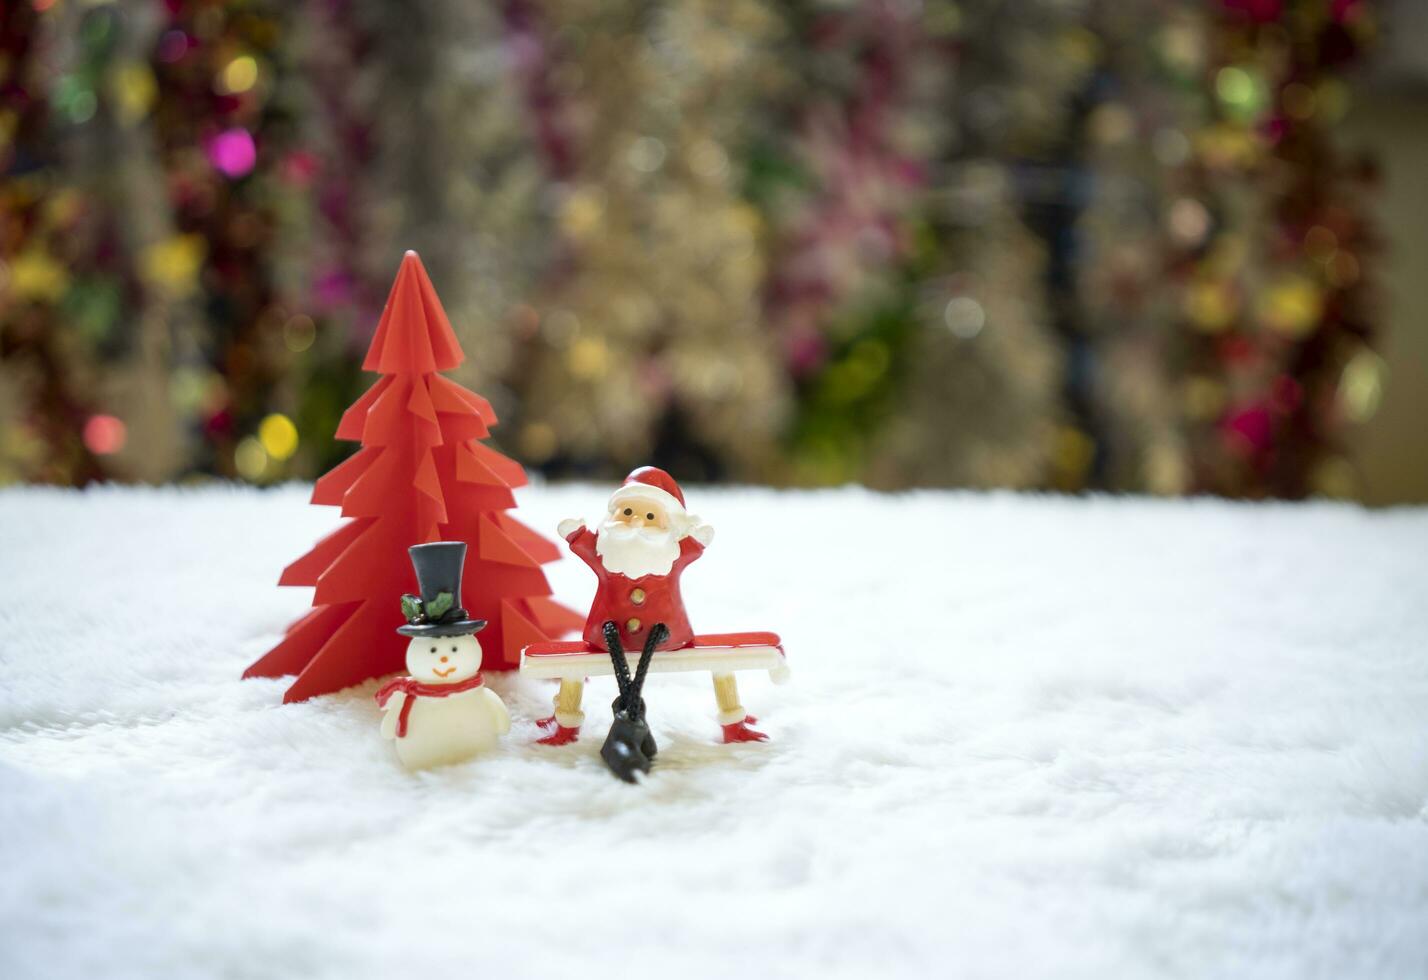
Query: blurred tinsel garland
{"points": [[1034, 244], [1228, 288]]}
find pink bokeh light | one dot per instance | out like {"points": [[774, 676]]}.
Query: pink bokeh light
{"points": [[233, 152], [104, 434]]}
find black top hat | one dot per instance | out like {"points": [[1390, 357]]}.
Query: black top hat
{"points": [[438, 610]]}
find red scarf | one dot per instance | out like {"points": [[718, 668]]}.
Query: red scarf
{"points": [[414, 689]]}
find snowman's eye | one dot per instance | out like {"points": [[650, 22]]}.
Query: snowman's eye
{"points": [[433, 649], [453, 648]]}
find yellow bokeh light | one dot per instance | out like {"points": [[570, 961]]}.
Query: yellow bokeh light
{"points": [[239, 75], [37, 275], [1292, 307], [1211, 305], [589, 358], [63, 206], [1166, 471], [278, 435], [172, 265], [1361, 385], [581, 214], [250, 459], [134, 90], [1226, 145]]}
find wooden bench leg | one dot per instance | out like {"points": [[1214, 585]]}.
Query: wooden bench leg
{"points": [[568, 717], [726, 692], [567, 703], [732, 717]]}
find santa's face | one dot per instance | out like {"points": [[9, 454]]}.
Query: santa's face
{"points": [[637, 538], [641, 513], [443, 660]]}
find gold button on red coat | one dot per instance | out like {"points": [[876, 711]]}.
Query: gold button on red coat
{"points": [[632, 626], [637, 596]]}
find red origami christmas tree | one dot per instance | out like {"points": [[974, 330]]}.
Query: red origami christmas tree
{"points": [[421, 475]]}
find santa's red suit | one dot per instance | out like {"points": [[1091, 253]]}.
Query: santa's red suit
{"points": [[636, 604]]}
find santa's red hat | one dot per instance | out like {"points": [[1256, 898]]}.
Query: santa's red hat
{"points": [[651, 483]]}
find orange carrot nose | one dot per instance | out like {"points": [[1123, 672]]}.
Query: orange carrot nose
{"points": [[443, 660]]}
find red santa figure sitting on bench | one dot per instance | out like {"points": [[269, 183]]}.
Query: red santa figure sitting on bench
{"points": [[638, 552]]}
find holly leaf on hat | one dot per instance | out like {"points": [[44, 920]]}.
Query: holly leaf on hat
{"points": [[411, 608], [441, 605]]}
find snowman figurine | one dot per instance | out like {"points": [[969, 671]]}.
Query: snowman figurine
{"points": [[442, 712]]}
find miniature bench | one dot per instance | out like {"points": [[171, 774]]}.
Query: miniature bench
{"points": [[718, 653]]}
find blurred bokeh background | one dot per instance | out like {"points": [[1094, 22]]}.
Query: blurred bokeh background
{"points": [[1164, 246]]}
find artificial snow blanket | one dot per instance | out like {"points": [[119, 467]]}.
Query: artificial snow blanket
{"points": [[1024, 737]]}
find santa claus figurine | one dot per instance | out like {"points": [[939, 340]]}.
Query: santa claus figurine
{"points": [[638, 552]]}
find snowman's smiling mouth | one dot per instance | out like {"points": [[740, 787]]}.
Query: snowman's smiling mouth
{"points": [[444, 673]]}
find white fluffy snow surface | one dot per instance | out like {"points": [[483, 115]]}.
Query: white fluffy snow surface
{"points": [[1024, 737]]}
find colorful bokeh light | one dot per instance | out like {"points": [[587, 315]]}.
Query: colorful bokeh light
{"points": [[104, 435], [233, 152], [278, 435]]}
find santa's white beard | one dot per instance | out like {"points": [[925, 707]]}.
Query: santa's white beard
{"points": [[636, 551]]}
